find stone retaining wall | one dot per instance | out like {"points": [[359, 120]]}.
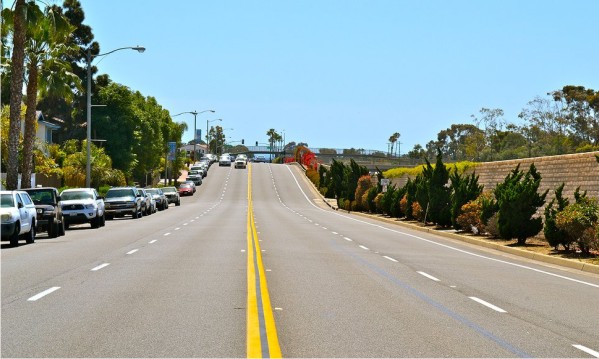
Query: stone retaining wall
{"points": [[580, 169]]}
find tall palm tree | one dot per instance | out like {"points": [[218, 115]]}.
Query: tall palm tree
{"points": [[394, 137], [44, 48], [16, 90]]}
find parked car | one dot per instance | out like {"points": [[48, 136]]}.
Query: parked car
{"points": [[120, 201], [172, 195], [241, 162], [224, 160], [192, 184], [146, 201], [82, 205], [159, 197], [185, 189], [18, 216], [194, 177], [49, 212]]}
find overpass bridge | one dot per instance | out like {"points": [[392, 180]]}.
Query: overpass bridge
{"points": [[370, 159]]}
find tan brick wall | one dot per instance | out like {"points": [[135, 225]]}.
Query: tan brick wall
{"points": [[580, 169]]}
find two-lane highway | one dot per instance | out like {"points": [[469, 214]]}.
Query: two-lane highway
{"points": [[192, 282]]}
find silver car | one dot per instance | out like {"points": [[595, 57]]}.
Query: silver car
{"points": [[82, 205]]}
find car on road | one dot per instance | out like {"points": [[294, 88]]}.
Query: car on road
{"points": [[18, 216], [185, 189], [192, 184], [159, 197], [194, 177], [172, 195], [224, 160], [120, 201], [49, 212], [82, 205], [241, 161], [146, 202], [260, 159]]}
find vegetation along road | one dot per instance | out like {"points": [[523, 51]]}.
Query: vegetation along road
{"points": [[253, 265]]}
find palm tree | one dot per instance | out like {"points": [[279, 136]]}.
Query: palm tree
{"points": [[394, 137], [16, 90], [45, 47], [273, 137]]}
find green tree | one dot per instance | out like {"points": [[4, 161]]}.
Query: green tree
{"points": [[553, 235], [439, 194], [518, 200], [464, 188], [46, 41], [393, 139]]}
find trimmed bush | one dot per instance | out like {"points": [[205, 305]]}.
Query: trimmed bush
{"points": [[553, 235], [579, 221], [469, 218]]}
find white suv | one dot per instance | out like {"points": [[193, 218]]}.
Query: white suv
{"points": [[82, 205], [18, 215]]}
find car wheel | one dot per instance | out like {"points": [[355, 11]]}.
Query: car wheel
{"points": [[134, 215], [66, 225], [178, 203], [14, 239], [103, 220], [53, 229], [95, 222], [30, 237], [61, 231]]}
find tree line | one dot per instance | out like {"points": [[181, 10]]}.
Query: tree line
{"points": [[47, 47], [565, 121]]}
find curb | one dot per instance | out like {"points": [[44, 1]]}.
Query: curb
{"points": [[568, 263]]}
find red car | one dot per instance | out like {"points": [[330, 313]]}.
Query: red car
{"points": [[185, 189]]}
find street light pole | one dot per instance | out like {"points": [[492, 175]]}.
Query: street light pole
{"points": [[89, 58], [195, 131]]}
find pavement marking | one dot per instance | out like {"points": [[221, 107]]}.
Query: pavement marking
{"points": [[364, 248], [262, 340], [185, 223], [167, 234], [178, 228], [586, 350], [488, 305], [391, 259], [153, 241], [429, 276], [441, 244], [348, 239], [334, 232], [43, 294], [132, 251], [100, 267]]}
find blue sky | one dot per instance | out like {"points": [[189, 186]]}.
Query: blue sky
{"points": [[344, 74]]}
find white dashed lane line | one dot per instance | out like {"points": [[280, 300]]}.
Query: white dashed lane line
{"points": [[43, 294], [153, 241], [586, 350], [364, 247], [488, 305], [132, 251], [428, 276], [100, 267], [391, 259]]}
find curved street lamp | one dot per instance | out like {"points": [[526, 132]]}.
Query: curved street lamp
{"points": [[90, 58], [195, 131]]}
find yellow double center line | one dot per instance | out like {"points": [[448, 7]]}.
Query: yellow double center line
{"points": [[262, 341]]}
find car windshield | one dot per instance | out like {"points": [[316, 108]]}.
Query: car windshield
{"points": [[74, 195], [7, 200], [154, 191], [41, 196], [169, 189], [114, 193], [184, 185]]}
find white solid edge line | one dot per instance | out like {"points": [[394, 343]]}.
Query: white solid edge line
{"points": [[391, 259], [428, 276], [488, 305], [335, 213], [586, 350], [42, 294], [100, 267], [132, 251]]}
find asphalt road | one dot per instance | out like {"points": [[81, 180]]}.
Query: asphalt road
{"points": [[175, 284]]}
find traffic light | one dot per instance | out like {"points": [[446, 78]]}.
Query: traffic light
{"points": [[256, 143], [242, 141]]}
